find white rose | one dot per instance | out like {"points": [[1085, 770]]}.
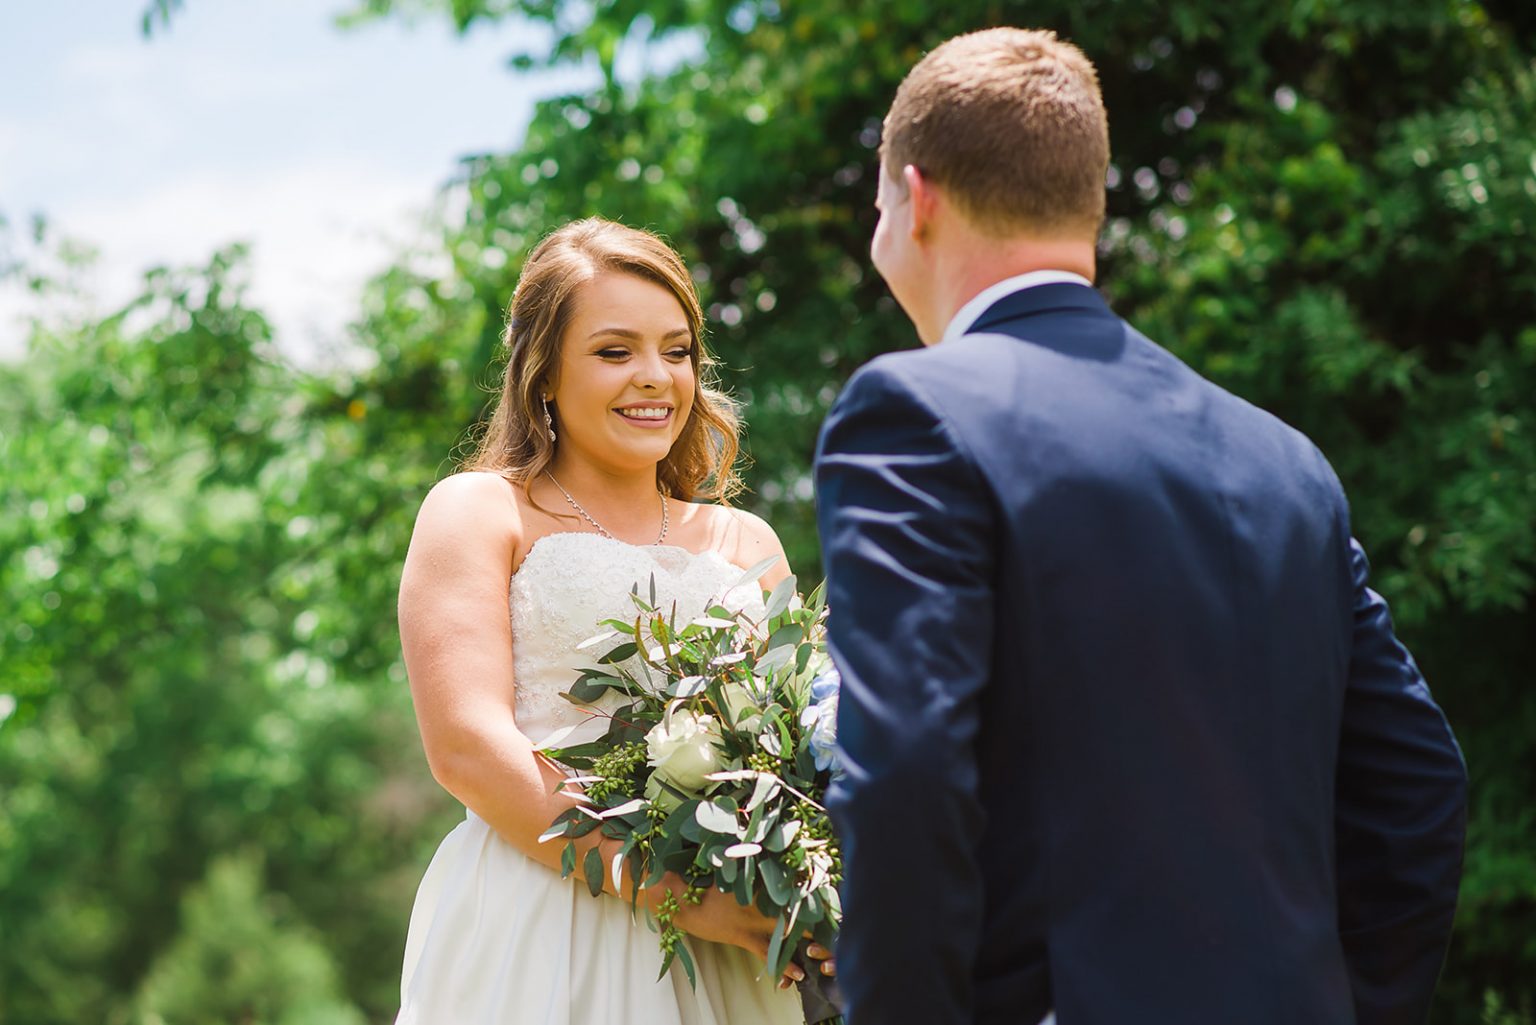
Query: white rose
{"points": [[682, 748]]}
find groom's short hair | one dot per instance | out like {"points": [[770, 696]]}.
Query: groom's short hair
{"points": [[1011, 124]]}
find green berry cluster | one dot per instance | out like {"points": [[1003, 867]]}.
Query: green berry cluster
{"points": [[619, 769], [762, 761], [816, 825], [667, 910]]}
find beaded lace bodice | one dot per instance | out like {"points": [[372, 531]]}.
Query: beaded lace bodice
{"points": [[567, 584]]}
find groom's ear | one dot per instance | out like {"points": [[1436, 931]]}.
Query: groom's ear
{"points": [[924, 199]]}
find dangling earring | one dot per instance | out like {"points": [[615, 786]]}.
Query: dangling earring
{"points": [[549, 422]]}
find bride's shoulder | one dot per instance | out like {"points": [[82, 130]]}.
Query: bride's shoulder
{"points": [[744, 538], [474, 489], [469, 504]]}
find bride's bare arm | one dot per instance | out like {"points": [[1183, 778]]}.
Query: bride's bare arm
{"points": [[456, 636], [749, 540]]}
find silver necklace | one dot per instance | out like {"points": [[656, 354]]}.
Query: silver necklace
{"points": [[598, 526]]}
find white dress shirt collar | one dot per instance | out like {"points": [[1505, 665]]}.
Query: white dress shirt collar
{"points": [[964, 320]]}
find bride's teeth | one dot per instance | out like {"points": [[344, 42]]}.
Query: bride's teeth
{"points": [[646, 414]]}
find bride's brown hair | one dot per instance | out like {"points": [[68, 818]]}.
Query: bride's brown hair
{"points": [[702, 462]]}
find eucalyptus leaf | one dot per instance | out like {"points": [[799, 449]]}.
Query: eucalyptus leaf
{"points": [[786, 742], [623, 809], [788, 634], [680, 817], [596, 639], [782, 835], [592, 866], [817, 599], [556, 830], [581, 827], [622, 653], [591, 686], [778, 600], [688, 686], [776, 880], [690, 830], [715, 819], [762, 822], [686, 959], [773, 660], [552, 742], [731, 774], [752, 575], [775, 949]]}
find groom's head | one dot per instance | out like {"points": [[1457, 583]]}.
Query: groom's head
{"points": [[998, 135]]}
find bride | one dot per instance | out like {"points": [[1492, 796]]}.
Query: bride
{"points": [[605, 432]]}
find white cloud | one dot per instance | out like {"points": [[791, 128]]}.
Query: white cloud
{"points": [[10, 151], [115, 65], [317, 233], [246, 122], [203, 77]]}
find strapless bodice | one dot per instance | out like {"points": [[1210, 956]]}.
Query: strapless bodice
{"points": [[567, 584]]}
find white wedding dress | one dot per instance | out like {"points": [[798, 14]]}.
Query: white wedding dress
{"points": [[498, 939]]}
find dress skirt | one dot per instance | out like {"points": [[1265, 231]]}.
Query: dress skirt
{"points": [[499, 939]]}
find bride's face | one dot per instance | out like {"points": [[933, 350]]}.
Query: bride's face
{"points": [[625, 383]]}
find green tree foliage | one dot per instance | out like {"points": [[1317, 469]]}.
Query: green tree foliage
{"points": [[235, 962], [199, 646], [1323, 205]]}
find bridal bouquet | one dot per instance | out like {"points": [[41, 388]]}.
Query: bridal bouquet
{"points": [[714, 766]]}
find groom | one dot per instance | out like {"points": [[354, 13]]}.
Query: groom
{"points": [[1126, 733]]}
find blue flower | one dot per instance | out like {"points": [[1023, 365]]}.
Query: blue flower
{"points": [[821, 717], [826, 684]]}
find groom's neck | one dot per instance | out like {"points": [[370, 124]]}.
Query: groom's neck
{"points": [[967, 264]]}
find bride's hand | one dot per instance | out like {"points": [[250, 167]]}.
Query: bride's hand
{"points": [[816, 952], [720, 919]]}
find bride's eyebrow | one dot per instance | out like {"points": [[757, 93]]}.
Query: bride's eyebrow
{"points": [[624, 332]]}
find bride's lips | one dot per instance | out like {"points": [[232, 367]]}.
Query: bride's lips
{"points": [[632, 414]]}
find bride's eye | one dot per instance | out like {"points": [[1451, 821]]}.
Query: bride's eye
{"points": [[613, 353], [680, 354]]}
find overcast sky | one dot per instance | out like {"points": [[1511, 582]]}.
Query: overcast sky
{"points": [[248, 121]]}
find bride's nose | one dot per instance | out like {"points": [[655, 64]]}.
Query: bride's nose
{"points": [[651, 372]]}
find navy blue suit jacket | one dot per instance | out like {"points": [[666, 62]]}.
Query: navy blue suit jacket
{"points": [[1125, 731]]}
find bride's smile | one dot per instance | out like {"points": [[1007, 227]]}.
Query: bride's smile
{"points": [[625, 383], [649, 416]]}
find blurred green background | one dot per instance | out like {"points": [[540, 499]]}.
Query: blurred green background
{"points": [[213, 806]]}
